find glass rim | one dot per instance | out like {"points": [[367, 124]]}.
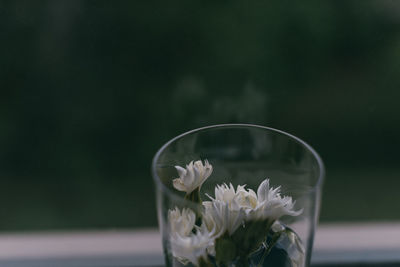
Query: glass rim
{"points": [[170, 192]]}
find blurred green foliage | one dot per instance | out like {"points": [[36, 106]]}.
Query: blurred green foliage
{"points": [[89, 90]]}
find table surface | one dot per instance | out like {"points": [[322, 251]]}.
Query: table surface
{"points": [[371, 244]]}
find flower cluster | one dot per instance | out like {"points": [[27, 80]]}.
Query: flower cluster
{"points": [[233, 223]]}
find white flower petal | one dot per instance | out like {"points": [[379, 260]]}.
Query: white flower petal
{"points": [[178, 184], [263, 190], [181, 171], [271, 205], [181, 222]]}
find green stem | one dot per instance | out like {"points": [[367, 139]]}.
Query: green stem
{"points": [[205, 262], [194, 196], [274, 240], [243, 262]]}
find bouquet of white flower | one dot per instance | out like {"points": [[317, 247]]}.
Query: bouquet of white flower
{"points": [[236, 227]]}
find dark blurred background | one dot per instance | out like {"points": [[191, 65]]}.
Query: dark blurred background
{"points": [[89, 90]]}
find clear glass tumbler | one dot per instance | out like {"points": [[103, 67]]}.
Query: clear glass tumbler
{"points": [[269, 220]]}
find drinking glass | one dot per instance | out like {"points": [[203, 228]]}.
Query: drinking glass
{"points": [[243, 154]]}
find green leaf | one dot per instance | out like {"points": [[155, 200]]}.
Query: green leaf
{"points": [[250, 237], [225, 249]]}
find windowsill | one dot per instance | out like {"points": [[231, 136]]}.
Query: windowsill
{"points": [[344, 244]]}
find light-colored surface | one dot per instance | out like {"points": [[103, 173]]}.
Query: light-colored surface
{"points": [[376, 242], [360, 236], [39, 245], [94, 248], [357, 242]]}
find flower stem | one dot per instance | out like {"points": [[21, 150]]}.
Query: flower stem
{"points": [[203, 262], [269, 247], [194, 196], [243, 262]]}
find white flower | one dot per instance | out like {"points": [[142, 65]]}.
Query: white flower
{"points": [[193, 176], [187, 246], [228, 210], [270, 204], [193, 247], [231, 208], [220, 218], [181, 223], [239, 199]]}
